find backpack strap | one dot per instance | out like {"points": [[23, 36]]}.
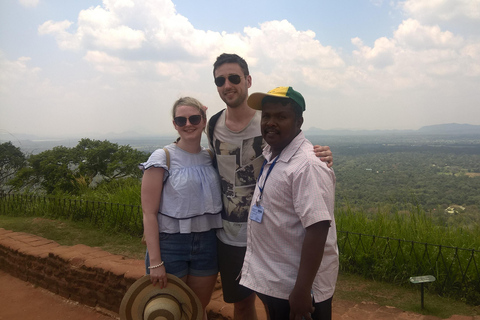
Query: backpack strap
{"points": [[210, 152], [211, 127], [168, 157]]}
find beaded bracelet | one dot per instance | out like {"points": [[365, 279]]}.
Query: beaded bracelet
{"points": [[157, 266]]}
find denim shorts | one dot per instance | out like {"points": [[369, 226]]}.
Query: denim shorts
{"points": [[188, 253]]}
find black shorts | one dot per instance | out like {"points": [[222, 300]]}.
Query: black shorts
{"points": [[230, 262], [279, 309]]}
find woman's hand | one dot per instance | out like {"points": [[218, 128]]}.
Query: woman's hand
{"points": [[158, 276]]}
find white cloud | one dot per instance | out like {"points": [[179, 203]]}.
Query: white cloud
{"points": [[119, 4], [380, 56], [102, 28], [97, 28], [377, 3], [108, 64], [139, 56], [433, 11], [412, 34], [65, 40], [282, 54], [29, 3], [38, 105], [122, 26], [29, 98], [471, 59], [417, 56], [155, 31], [14, 74]]}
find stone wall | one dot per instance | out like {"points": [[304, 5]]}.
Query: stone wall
{"points": [[88, 275]]}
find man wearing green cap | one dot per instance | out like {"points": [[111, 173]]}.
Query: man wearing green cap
{"points": [[234, 136], [292, 255]]}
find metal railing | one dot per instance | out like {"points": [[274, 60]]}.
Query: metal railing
{"points": [[457, 270], [122, 217]]}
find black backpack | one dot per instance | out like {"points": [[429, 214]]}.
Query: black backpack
{"points": [[211, 126]]}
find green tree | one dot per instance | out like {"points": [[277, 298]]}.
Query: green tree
{"points": [[51, 170], [12, 160], [107, 160], [69, 170]]}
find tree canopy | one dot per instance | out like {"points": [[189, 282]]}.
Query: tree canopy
{"points": [[71, 169], [11, 161]]}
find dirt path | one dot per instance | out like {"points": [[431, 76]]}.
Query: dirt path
{"points": [[21, 300]]}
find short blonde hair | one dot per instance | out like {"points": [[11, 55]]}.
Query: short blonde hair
{"points": [[191, 102]]}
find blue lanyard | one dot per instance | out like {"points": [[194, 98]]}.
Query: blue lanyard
{"points": [[268, 173]]}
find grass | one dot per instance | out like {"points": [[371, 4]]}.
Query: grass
{"points": [[69, 233], [349, 287], [355, 288], [414, 224]]}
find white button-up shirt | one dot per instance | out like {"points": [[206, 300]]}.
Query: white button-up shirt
{"points": [[299, 192]]}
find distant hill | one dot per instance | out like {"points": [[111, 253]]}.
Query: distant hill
{"points": [[441, 129], [38, 144], [450, 128]]}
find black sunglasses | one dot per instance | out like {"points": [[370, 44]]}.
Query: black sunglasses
{"points": [[233, 78], [182, 121]]}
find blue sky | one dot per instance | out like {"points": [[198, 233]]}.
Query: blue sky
{"points": [[70, 68]]}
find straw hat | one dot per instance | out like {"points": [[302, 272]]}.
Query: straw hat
{"points": [[174, 302]]}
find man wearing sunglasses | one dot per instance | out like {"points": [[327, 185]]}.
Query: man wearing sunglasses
{"points": [[237, 143]]}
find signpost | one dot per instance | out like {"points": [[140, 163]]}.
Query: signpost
{"points": [[422, 280]]}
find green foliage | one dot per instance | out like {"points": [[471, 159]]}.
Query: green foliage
{"points": [[125, 191], [12, 160], [107, 160], [52, 170], [414, 224], [366, 180], [108, 216], [394, 245], [387, 244], [390, 198], [73, 171], [93, 157], [68, 233]]}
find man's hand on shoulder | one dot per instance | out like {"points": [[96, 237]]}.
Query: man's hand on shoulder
{"points": [[325, 154]]}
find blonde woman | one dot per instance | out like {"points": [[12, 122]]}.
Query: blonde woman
{"points": [[182, 206]]}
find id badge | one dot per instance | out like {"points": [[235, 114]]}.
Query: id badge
{"points": [[257, 213]]}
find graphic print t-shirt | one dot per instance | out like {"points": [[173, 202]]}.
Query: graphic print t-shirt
{"points": [[239, 158]]}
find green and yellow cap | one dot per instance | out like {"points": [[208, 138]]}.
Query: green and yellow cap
{"points": [[255, 99]]}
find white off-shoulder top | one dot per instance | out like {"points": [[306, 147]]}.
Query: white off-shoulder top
{"points": [[191, 197]]}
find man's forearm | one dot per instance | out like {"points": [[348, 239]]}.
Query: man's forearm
{"points": [[312, 253]]}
